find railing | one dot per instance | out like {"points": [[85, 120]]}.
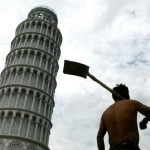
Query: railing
{"points": [[47, 7]]}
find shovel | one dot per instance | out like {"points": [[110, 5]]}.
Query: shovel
{"points": [[81, 70]]}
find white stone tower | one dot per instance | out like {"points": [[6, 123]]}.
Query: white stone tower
{"points": [[28, 82]]}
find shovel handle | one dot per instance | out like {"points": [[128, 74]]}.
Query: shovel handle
{"points": [[105, 86]]}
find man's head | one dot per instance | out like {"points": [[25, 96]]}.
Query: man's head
{"points": [[122, 90]]}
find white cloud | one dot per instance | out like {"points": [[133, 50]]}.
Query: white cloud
{"points": [[112, 37]]}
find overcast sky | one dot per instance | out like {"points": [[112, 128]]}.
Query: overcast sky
{"points": [[110, 36]]}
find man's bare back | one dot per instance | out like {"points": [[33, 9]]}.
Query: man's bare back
{"points": [[121, 121]]}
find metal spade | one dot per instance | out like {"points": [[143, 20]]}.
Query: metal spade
{"points": [[78, 69]]}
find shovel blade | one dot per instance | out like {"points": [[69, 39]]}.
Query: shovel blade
{"points": [[75, 68]]}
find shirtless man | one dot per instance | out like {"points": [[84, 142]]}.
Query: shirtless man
{"points": [[120, 120]]}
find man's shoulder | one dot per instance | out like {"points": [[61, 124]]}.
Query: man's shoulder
{"points": [[108, 109], [111, 107], [134, 101]]}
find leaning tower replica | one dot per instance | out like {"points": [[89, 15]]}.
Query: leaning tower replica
{"points": [[28, 82]]}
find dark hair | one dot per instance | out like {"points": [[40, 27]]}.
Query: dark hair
{"points": [[122, 90]]}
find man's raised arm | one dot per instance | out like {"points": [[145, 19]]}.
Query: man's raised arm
{"points": [[145, 110]]}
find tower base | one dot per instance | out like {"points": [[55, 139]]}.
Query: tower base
{"points": [[19, 143]]}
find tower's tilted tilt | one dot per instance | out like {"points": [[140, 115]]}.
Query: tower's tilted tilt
{"points": [[28, 83]]}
